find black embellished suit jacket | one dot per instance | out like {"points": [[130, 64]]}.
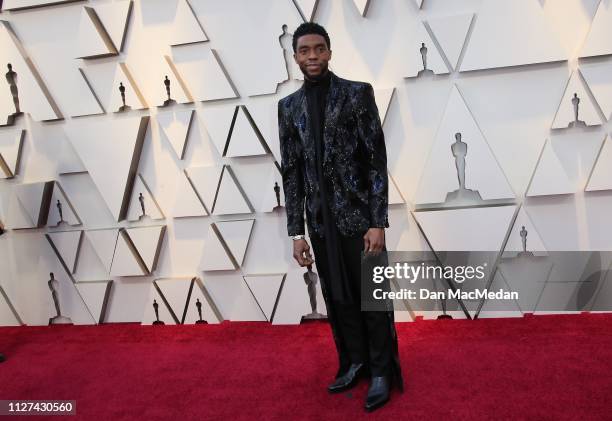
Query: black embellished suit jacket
{"points": [[354, 160]]}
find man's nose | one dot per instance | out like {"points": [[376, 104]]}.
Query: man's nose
{"points": [[313, 54]]}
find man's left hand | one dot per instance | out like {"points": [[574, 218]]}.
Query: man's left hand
{"points": [[374, 240]]}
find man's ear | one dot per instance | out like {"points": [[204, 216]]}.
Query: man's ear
{"points": [[330, 54], [295, 58]]}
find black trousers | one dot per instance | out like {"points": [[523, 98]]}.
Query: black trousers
{"points": [[365, 336]]}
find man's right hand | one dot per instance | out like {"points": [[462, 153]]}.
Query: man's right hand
{"points": [[301, 252]]}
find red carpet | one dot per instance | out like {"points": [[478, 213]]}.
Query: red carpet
{"points": [[544, 367]]}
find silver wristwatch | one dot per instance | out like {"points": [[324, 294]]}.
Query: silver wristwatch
{"points": [[298, 237]]}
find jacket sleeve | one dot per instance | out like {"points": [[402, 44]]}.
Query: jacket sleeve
{"points": [[371, 134], [291, 172]]}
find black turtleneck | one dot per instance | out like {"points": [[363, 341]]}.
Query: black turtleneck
{"points": [[316, 95]]}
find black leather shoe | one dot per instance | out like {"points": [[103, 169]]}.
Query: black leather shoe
{"points": [[378, 393], [348, 379]]}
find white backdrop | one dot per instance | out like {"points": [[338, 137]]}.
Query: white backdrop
{"points": [[505, 75]]}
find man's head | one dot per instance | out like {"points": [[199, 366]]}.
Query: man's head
{"points": [[311, 49]]}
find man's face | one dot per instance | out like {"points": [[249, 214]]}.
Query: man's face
{"points": [[312, 55]]}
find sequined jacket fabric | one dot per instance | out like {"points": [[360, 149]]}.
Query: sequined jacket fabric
{"points": [[354, 160]]}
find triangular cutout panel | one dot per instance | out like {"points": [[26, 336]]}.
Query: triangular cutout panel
{"points": [[66, 245], [35, 199], [236, 236], [148, 242], [524, 229], [294, 301], [218, 122], [69, 161], [142, 198], [565, 164], [34, 97], [155, 84], [395, 197], [511, 33], [383, 99], [163, 312], [95, 295], [214, 255], [599, 40], [115, 17], [598, 77], [176, 293], [265, 289], [230, 199], [133, 95], [601, 177], [7, 317], [362, 6], [203, 72], [419, 3], [425, 59], [104, 243], [206, 182], [210, 312], [482, 171], [474, 229], [93, 40], [11, 145], [307, 8], [110, 150], [175, 127], [187, 202], [31, 4], [451, 33], [125, 260], [244, 141], [186, 27], [575, 99], [61, 210]]}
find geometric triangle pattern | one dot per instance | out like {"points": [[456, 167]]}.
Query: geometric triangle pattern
{"points": [[95, 295], [576, 106], [565, 164], [114, 17], [230, 199], [147, 242], [451, 33], [11, 145], [424, 57], [175, 127], [94, 41], [215, 254], [61, 210], [187, 202], [157, 311], [143, 204], [362, 6], [104, 243], [599, 40], [601, 177], [482, 172], [598, 77], [110, 150], [200, 298], [265, 289], [175, 292], [244, 138], [66, 245], [188, 28], [503, 26], [307, 8], [205, 181], [235, 234]]}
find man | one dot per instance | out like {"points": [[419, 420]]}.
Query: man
{"points": [[333, 160]]}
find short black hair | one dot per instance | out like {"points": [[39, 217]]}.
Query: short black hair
{"points": [[310, 28]]}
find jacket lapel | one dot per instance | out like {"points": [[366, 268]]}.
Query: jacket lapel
{"points": [[334, 101], [333, 106]]}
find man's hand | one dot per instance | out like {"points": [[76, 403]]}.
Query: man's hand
{"points": [[301, 252], [374, 240]]}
